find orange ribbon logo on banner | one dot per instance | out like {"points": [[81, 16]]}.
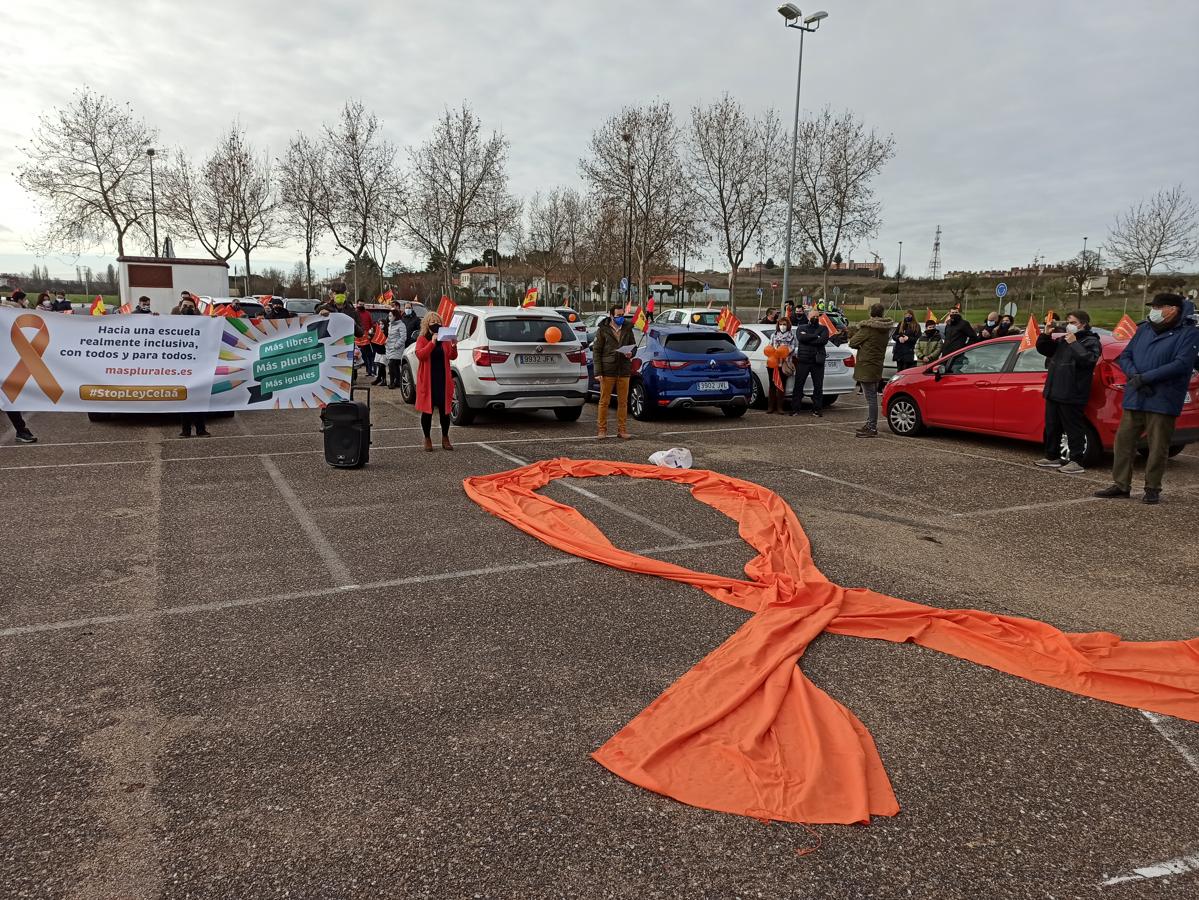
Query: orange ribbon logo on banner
{"points": [[745, 731], [30, 364]]}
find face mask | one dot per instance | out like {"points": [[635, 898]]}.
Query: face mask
{"points": [[955, 316], [785, 329], [907, 318], [991, 323], [1157, 316], [930, 331], [619, 321], [1071, 328]]}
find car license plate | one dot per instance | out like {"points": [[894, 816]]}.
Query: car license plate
{"points": [[712, 386], [832, 363], [536, 359]]}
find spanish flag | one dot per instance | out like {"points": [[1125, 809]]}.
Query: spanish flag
{"points": [[728, 322], [639, 320], [98, 307], [125, 309], [530, 298]]}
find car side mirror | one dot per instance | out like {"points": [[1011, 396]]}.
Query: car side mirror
{"points": [[938, 372]]}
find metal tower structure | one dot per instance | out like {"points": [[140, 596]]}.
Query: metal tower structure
{"points": [[934, 264]]}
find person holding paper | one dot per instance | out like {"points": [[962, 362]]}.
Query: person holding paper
{"points": [[435, 348], [612, 360]]}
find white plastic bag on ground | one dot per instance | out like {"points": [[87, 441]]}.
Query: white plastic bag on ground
{"points": [[674, 458]]}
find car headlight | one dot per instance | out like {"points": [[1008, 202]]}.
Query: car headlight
{"points": [[894, 378]]}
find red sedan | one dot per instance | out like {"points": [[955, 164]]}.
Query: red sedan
{"points": [[995, 388]]}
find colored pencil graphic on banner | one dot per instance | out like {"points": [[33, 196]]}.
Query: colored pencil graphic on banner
{"points": [[338, 383], [222, 386], [345, 370], [230, 356], [232, 339], [228, 370], [241, 325]]}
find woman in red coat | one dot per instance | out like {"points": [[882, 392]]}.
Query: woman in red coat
{"points": [[434, 383]]}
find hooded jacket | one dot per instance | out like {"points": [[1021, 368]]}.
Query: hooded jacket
{"points": [[397, 339], [1070, 367], [870, 342], [1164, 360], [929, 346], [605, 361]]}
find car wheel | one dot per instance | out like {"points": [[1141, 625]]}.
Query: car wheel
{"points": [[407, 384], [1092, 447], [460, 411], [1174, 450], [568, 413], [903, 415], [826, 401], [98, 416], [756, 398], [639, 404], [734, 411]]}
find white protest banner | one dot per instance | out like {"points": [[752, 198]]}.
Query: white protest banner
{"points": [[134, 363]]}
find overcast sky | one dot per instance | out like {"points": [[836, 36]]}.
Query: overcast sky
{"points": [[1019, 126]]}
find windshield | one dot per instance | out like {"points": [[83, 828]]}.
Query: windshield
{"points": [[712, 342], [524, 331], [705, 317]]}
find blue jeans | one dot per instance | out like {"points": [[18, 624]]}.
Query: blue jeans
{"points": [[870, 391]]}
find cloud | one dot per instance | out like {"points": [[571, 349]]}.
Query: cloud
{"points": [[1019, 128]]}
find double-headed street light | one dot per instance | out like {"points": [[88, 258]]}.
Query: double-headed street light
{"points": [[795, 19]]}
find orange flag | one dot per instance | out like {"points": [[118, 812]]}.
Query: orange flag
{"points": [[929, 315], [1125, 329], [828, 323], [125, 309], [1030, 334], [445, 310]]}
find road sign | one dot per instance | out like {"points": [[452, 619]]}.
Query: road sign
{"points": [[759, 293], [1001, 290], [707, 286], [774, 284], [836, 292], [1008, 309], [624, 285]]}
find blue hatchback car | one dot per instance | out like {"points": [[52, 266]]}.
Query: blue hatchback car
{"points": [[681, 366]]}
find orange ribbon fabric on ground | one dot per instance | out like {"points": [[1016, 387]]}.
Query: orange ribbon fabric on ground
{"points": [[744, 731]]}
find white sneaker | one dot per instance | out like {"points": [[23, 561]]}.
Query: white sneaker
{"points": [[1071, 468], [1049, 463]]}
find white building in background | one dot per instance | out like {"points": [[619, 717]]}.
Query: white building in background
{"points": [[162, 279]]}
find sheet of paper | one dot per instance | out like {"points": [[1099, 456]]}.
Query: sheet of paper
{"points": [[446, 334], [627, 349]]}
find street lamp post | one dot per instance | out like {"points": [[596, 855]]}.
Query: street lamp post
{"points": [[898, 275], [790, 12], [627, 137], [153, 201]]}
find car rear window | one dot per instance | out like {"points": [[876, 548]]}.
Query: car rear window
{"points": [[706, 317], [711, 342], [524, 331]]}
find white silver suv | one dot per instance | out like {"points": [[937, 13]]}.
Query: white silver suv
{"points": [[505, 362]]}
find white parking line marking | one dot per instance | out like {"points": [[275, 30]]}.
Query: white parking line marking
{"points": [[215, 437], [333, 562], [855, 486], [1168, 728], [1183, 865], [1022, 508], [607, 504], [216, 606], [742, 428]]}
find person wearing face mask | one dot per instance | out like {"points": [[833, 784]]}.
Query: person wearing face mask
{"points": [[780, 358], [1070, 365], [411, 324], [186, 306], [928, 348], [870, 342], [44, 303], [907, 334], [811, 338], [143, 307], [989, 328], [435, 379], [1158, 361], [61, 303], [1004, 328], [397, 340], [613, 367], [958, 332]]}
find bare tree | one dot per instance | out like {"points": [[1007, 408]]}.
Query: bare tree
{"points": [[502, 226], [384, 231], [198, 200], [635, 164], [248, 179], [834, 202], [451, 178], [301, 180], [603, 238], [731, 169], [576, 249], [545, 242], [359, 182], [1080, 270], [87, 164], [959, 287], [1161, 231]]}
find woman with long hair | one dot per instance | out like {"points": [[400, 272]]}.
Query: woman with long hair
{"points": [[907, 333], [434, 381]]}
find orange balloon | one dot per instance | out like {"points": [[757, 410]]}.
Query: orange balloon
{"points": [[553, 334]]}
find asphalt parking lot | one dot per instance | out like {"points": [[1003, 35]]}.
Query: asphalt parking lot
{"points": [[231, 671]]}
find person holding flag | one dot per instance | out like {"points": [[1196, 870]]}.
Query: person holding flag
{"points": [[1067, 389], [811, 339], [98, 308]]}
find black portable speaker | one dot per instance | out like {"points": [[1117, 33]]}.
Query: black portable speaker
{"points": [[346, 425]]}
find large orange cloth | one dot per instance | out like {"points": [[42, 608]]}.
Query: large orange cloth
{"points": [[744, 731]]}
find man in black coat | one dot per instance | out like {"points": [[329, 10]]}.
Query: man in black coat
{"points": [[1070, 366], [810, 340], [958, 332]]}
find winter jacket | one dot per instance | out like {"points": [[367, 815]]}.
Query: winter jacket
{"points": [[412, 328], [958, 334], [606, 362], [929, 347], [397, 339], [870, 342], [1164, 360], [987, 330], [810, 343], [1070, 366], [905, 351], [424, 377]]}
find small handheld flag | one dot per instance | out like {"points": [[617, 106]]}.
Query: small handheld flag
{"points": [[929, 315], [1030, 334], [639, 320], [445, 310], [1125, 329], [125, 309], [828, 323], [530, 298], [98, 307]]}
